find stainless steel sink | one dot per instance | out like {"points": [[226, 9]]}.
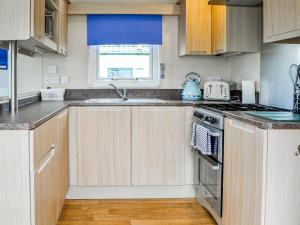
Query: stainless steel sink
{"points": [[121, 101]]}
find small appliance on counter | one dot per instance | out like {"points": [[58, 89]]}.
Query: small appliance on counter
{"points": [[191, 90], [216, 90], [248, 92], [295, 77]]}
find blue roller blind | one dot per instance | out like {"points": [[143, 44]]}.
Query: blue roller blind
{"points": [[124, 29], [3, 59]]}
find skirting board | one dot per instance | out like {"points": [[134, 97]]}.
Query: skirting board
{"points": [[76, 192]]}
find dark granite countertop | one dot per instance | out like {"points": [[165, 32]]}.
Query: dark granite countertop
{"points": [[31, 116], [260, 122]]}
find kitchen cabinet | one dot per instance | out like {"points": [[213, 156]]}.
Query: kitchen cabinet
{"points": [[281, 21], [258, 187], [236, 29], [34, 173], [31, 28], [104, 146], [45, 191], [62, 167], [63, 27], [158, 144], [195, 28], [244, 150]]}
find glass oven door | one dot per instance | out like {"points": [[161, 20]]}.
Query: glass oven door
{"points": [[210, 177]]}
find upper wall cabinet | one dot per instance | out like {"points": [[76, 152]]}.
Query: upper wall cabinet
{"points": [[63, 27], [236, 29], [282, 21], [195, 28], [34, 23]]}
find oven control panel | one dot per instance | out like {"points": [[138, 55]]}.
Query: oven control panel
{"points": [[211, 118]]}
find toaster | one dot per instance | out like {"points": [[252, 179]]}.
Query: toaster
{"points": [[216, 90]]}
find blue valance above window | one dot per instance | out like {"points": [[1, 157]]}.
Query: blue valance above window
{"points": [[3, 59], [124, 29]]}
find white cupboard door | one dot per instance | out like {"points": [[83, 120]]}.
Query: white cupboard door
{"points": [[244, 154], [283, 179], [158, 145], [104, 146]]}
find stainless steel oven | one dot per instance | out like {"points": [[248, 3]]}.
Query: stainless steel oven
{"points": [[209, 168]]}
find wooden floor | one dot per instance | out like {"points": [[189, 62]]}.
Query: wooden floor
{"points": [[134, 212]]}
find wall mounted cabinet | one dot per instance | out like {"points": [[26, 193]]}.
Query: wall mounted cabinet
{"points": [[236, 29], [258, 186], [217, 29], [63, 27], [35, 23], [282, 21], [195, 28]]}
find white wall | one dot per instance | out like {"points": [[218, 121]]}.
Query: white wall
{"points": [[30, 74], [76, 64], [245, 67], [276, 85]]}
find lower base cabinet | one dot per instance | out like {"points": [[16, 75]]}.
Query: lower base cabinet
{"points": [[131, 146], [45, 191], [260, 182], [104, 146], [158, 145], [34, 177]]}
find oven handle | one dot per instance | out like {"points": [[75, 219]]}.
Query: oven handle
{"points": [[212, 131], [215, 166]]}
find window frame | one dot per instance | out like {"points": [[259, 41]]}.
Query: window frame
{"points": [[152, 82]]}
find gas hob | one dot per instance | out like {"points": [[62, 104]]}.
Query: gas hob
{"points": [[238, 107]]}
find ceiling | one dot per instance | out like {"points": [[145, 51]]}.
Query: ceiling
{"points": [[126, 1]]}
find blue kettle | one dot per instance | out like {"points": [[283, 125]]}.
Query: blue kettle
{"points": [[191, 90]]}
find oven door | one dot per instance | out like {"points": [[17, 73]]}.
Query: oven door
{"points": [[219, 156], [210, 179]]}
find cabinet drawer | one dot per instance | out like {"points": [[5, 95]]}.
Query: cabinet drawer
{"points": [[44, 139]]}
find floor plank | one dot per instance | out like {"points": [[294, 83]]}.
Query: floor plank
{"points": [[134, 212]]}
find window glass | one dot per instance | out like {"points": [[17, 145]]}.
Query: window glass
{"points": [[124, 62], [4, 74]]}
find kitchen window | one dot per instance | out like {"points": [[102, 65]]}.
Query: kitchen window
{"points": [[125, 65]]}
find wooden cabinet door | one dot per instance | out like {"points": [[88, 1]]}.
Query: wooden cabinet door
{"points": [[283, 180], [244, 156], [15, 20], [104, 146], [158, 145], [38, 11], [195, 28], [43, 139], [219, 33], [281, 20], [63, 27], [44, 191], [62, 161]]}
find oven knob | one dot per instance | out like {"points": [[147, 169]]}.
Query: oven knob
{"points": [[198, 115], [210, 120]]}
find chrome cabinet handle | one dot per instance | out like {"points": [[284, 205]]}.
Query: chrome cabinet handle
{"points": [[297, 152]]}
